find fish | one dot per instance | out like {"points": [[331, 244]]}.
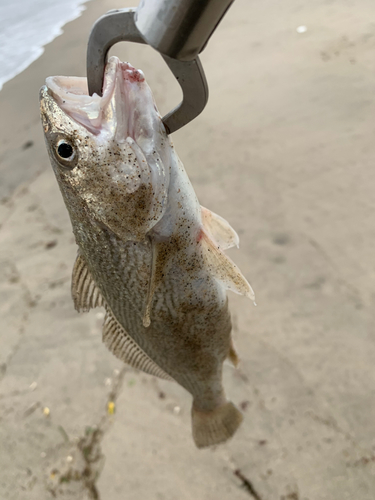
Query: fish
{"points": [[148, 252]]}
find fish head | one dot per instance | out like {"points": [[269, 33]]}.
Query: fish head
{"points": [[110, 154]]}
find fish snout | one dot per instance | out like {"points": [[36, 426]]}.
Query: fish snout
{"points": [[43, 93], [49, 110]]}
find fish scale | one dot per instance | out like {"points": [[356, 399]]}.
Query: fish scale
{"points": [[103, 248], [148, 251]]}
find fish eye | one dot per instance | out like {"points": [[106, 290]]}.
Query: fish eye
{"points": [[65, 150]]}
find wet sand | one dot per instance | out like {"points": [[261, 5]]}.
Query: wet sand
{"points": [[284, 151]]}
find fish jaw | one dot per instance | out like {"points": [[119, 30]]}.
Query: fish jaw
{"points": [[119, 175]]}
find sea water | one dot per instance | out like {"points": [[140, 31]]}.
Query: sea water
{"points": [[26, 26]]}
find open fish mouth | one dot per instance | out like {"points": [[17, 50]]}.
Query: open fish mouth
{"points": [[123, 110], [121, 150]]}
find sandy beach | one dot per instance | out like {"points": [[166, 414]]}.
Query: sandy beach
{"points": [[284, 151]]}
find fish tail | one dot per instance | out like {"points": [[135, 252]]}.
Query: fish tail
{"points": [[216, 426]]}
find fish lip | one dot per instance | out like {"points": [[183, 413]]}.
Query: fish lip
{"points": [[47, 108], [70, 94], [43, 89], [45, 92]]}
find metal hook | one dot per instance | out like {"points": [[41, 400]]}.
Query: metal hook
{"points": [[119, 25]]}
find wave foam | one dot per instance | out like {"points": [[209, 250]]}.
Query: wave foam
{"points": [[26, 27]]}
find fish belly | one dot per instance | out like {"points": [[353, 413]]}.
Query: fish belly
{"points": [[190, 332]]}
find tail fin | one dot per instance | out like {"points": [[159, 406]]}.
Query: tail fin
{"points": [[215, 426]]}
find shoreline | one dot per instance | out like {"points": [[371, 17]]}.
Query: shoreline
{"points": [[39, 48], [22, 152]]}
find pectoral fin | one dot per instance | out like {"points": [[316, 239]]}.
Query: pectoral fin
{"points": [[219, 229], [223, 268], [86, 295], [146, 320], [159, 255], [127, 350]]}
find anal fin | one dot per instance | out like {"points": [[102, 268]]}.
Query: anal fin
{"points": [[232, 355], [127, 350], [86, 295]]}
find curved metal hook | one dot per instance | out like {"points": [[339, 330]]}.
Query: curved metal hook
{"points": [[118, 25]]}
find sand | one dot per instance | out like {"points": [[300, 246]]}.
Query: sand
{"points": [[284, 151]]}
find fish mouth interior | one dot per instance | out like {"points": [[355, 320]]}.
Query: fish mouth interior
{"points": [[113, 113]]}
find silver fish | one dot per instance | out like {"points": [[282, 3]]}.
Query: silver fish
{"points": [[147, 251]]}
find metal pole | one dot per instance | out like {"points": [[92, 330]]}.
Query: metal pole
{"points": [[179, 29]]}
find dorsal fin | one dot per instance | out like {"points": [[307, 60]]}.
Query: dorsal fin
{"points": [[86, 295], [125, 348], [219, 229], [223, 268]]}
